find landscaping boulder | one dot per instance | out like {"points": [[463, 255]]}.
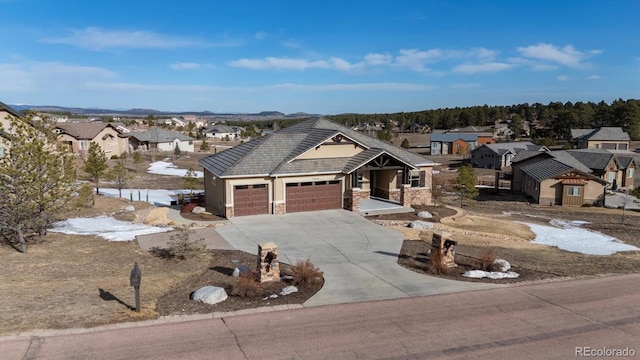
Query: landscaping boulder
{"points": [[198, 210], [241, 270], [210, 295], [129, 208], [425, 215], [501, 265], [419, 224]]}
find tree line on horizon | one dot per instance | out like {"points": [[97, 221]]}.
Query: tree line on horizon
{"points": [[554, 120]]}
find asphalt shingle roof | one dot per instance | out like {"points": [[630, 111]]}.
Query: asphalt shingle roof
{"points": [[276, 153], [158, 135], [514, 147], [84, 131], [601, 134], [9, 109], [592, 158]]}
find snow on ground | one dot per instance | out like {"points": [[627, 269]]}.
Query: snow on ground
{"points": [[106, 227], [479, 274], [157, 197], [570, 237], [167, 168]]}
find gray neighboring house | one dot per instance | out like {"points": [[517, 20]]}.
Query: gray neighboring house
{"points": [[499, 155], [158, 139], [314, 165], [610, 138], [223, 131]]}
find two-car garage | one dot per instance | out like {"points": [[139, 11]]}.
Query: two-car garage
{"points": [[300, 196]]}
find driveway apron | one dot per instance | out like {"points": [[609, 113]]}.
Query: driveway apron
{"points": [[358, 257]]}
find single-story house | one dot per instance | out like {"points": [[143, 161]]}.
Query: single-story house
{"points": [[572, 177], [157, 139], [314, 165], [78, 137], [610, 138], [223, 132], [444, 142], [499, 155]]}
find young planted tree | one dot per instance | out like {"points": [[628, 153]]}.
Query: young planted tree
{"points": [[176, 151], [437, 191], [36, 181], [96, 164], [405, 143], [204, 146], [120, 177], [466, 183], [191, 180]]}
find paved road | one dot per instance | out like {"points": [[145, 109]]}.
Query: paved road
{"points": [[545, 321], [358, 258]]}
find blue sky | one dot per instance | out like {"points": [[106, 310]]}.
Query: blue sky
{"points": [[326, 57]]}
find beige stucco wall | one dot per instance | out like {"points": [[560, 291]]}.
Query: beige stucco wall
{"points": [[171, 146], [600, 144], [332, 151], [592, 192], [214, 193]]}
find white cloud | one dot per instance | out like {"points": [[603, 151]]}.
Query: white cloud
{"points": [[260, 35], [416, 60], [95, 38], [465, 86], [190, 66], [359, 87], [273, 63], [481, 68], [562, 78], [35, 76], [377, 59], [567, 55]]}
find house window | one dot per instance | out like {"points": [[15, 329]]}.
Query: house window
{"points": [[414, 178], [357, 179], [612, 177], [630, 172], [573, 190], [84, 145]]}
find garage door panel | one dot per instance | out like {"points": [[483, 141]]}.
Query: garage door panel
{"points": [[250, 200], [312, 196]]}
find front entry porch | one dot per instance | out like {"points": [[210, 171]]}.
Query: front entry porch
{"points": [[377, 206]]}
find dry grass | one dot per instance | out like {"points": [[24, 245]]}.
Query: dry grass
{"points": [[82, 281], [487, 259], [246, 285], [305, 274]]}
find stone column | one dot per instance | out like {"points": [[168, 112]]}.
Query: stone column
{"points": [[268, 263]]}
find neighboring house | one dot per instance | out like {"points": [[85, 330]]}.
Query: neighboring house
{"points": [[5, 125], [78, 137], [175, 122], [314, 165], [223, 132], [499, 155], [572, 177], [157, 139], [444, 142], [610, 138]]}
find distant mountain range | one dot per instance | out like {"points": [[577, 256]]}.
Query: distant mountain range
{"points": [[263, 115]]}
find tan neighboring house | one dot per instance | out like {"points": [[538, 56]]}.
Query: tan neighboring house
{"points": [[314, 165], [572, 177], [157, 139], [610, 138], [5, 124], [78, 137]]}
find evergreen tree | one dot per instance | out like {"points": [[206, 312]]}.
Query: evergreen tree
{"points": [[36, 181], [120, 177], [176, 151], [405, 143], [466, 183], [96, 164], [204, 146], [191, 181]]}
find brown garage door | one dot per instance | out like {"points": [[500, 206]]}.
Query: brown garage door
{"points": [[250, 200], [311, 196]]}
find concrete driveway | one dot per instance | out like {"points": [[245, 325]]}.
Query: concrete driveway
{"points": [[358, 257]]}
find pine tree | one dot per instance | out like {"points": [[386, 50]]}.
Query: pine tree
{"points": [[37, 181], [120, 177], [204, 146], [96, 164], [191, 181], [466, 183]]}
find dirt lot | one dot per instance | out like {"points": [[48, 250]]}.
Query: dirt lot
{"points": [[82, 281]]}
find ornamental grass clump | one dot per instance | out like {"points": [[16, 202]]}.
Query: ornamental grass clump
{"points": [[305, 274]]}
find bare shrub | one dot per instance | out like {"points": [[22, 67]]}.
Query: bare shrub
{"points": [[436, 262], [245, 286], [487, 258], [180, 246], [305, 274]]}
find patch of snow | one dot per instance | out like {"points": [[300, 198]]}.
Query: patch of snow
{"points": [[289, 290], [570, 237], [502, 264], [479, 274], [167, 168], [106, 227], [157, 197]]}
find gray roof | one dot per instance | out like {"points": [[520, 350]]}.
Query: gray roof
{"points": [[551, 168], [625, 161], [276, 153], [158, 135], [527, 154], [514, 147], [10, 110], [601, 134], [595, 159], [222, 129]]}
